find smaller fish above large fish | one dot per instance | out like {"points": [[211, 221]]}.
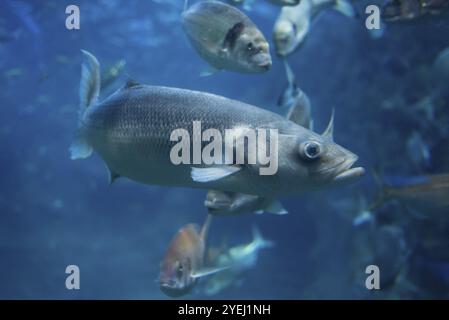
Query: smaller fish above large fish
{"points": [[183, 262], [233, 203], [226, 38], [297, 102], [293, 24], [403, 10]]}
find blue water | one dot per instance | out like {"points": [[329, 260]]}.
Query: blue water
{"points": [[56, 212]]}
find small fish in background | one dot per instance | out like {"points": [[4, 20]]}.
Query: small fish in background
{"points": [[285, 2], [399, 10], [220, 203], [418, 150], [440, 75], [226, 38], [422, 195], [293, 24], [364, 215], [183, 262], [246, 4], [8, 36], [63, 59], [297, 102], [112, 73], [355, 210], [405, 10], [240, 259], [13, 73]]}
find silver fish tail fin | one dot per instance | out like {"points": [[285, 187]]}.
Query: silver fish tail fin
{"points": [[90, 81], [259, 241], [89, 92]]}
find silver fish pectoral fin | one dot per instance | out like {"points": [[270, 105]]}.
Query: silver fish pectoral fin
{"points": [[213, 173]]}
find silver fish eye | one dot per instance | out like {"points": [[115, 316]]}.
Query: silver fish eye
{"points": [[250, 46], [310, 150]]}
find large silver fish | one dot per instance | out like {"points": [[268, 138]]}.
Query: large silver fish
{"points": [[226, 38], [131, 131]]}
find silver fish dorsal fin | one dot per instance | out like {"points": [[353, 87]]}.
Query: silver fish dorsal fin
{"points": [[329, 132]]}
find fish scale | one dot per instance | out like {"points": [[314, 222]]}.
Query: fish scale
{"points": [[134, 126]]}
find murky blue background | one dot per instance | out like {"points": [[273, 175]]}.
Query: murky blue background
{"points": [[55, 212]]}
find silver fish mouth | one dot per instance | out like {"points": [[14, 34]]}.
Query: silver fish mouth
{"points": [[265, 65], [345, 171], [263, 61]]}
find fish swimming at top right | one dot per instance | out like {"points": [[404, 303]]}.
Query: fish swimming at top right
{"points": [[293, 24], [404, 10]]}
